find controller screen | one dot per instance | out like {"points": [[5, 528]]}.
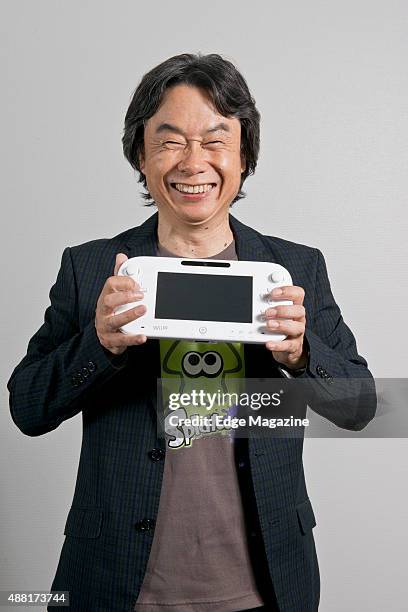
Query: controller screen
{"points": [[204, 297]]}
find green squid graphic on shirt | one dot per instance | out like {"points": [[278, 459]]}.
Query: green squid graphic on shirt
{"points": [[208, 369]]}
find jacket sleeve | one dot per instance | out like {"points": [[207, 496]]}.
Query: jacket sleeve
{"points": [[63, 364], [343, 386]]}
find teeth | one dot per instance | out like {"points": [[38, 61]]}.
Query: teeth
{"points": [[193, 188]]}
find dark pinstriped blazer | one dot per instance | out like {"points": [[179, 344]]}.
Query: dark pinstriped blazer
{"points": [[110, 524]]}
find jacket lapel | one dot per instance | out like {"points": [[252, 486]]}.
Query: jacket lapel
{"points": [[248, 243], [142, 240]]}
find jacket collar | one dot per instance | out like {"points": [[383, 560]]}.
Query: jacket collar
{"points": [[142, 240]]}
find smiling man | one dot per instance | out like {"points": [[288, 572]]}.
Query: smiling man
{"points": [[193, 164], [224, 524]]}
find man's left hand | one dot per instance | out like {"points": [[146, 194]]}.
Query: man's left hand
{"points": [[291, 321]]}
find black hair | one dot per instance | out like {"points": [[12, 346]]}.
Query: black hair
{"points": [[226, 87]]}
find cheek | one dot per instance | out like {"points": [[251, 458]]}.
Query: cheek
{"points": [[229, 167], [156, 170]]}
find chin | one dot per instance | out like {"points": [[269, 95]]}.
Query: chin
{"points": [[196, 213]]}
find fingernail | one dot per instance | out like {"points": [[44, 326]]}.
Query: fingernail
{"points": [[273, 324], [272, 312], [277, 291], [271, 346]]}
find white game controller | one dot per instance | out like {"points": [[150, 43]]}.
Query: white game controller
{"points": [[204, 299]]}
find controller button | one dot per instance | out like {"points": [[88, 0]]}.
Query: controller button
{"points": [[277, 276], [132, 269], [202, 330]]}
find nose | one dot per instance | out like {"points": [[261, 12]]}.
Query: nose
{"points": [[193, 159]]}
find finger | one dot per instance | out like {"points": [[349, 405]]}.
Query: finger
{"points": [[295, 311], [117, 339], [290, 328], [120, 283], [113, 322], [285, 346], [120, 258], [289, 292], [111, 301]]}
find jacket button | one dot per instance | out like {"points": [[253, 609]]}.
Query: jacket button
{"points": [[91, 366], [75, 381], [321, 371], [85, 372], [145, 524], [156, 454]]}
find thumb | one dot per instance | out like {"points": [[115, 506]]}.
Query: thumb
{"points": [[120, 258]]}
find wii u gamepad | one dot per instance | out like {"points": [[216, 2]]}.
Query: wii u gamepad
{"points": [[204, 299]]}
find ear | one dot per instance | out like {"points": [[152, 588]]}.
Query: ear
{"points": [[142, 162], [243, 163]]}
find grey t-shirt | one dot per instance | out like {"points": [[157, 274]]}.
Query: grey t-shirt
{"points": [[199, 560]]}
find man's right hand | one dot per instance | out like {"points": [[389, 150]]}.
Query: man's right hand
{"points": [[118, 290]]}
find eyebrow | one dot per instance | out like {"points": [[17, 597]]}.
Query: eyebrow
{"points": [[168, 127]]}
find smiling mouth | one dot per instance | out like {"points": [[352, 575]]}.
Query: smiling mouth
{"points": [[193, 189]]}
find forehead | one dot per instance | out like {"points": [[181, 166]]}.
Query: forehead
{"points": [[191, 110]]}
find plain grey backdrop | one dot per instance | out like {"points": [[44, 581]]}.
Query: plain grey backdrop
{"points": [[330, 81]]}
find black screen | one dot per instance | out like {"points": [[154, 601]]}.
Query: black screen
{"points": [[204, 297]]}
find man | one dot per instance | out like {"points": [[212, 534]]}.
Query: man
{"points": [[233, 530]]}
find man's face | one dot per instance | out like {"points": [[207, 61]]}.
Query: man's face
{"points": [[188, 143]]}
